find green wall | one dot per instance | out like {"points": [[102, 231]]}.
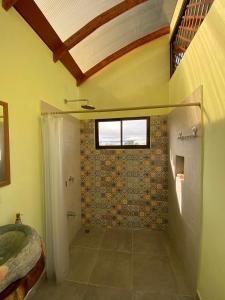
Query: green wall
{"points": [[204, 64], [27, 76]]}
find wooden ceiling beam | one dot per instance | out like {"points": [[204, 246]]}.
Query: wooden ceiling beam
{"points": [[35, 18], [146, 39], [7, 4], [94, 24]]}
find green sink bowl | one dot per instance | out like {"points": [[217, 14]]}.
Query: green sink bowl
{"points": [[20, 249], [13, 238]]}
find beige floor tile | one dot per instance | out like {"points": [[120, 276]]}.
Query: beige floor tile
{"points": [[150, 242], [183, 287], [153, 296], [82, 262], [153, 274], [117, 239], [116, 264], [185, 298], [92, 239], [112, 269], [103, 293], [65, 291]]}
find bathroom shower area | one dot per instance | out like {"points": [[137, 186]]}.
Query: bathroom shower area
{"points": [[130, 217]]}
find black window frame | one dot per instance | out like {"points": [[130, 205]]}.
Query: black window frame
{"points": [[121, 134]]}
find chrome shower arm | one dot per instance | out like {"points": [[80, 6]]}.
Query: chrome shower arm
{"points": [[76, 100]]}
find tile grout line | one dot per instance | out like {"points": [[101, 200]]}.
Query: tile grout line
{"points": [[88, 284], [94, 265], [132, 259], [103, 249], [173, 269], [97, 256], [132, 263], [106, 286]]}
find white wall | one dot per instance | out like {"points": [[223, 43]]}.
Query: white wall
{"points": [[185, 196], [71, 168]]}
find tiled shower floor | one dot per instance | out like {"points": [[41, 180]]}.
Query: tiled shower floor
{"points": [[119, 264]]}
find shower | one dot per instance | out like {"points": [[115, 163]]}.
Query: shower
{"points": [[86, 106]]}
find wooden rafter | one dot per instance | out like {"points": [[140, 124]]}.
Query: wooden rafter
{"points": [[94, 24], [35, 18], [7, 4], [148, 38]]}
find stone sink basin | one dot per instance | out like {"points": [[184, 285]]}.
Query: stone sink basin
{"points": [[20, 249]]}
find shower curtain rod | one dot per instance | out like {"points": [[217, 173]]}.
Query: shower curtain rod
{"points": [[123, 109]]}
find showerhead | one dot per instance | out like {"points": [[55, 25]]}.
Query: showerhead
{"points": [[88, 107]]}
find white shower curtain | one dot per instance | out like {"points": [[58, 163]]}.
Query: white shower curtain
{"points": [[57, 246]]}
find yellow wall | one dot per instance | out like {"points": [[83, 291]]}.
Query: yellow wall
{"points": [[204, 64], [139, 78], [27, 75]]}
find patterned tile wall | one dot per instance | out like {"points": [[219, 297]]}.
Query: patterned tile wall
{"points": [[125, 187]]}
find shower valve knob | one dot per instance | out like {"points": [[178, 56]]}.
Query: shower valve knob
{"points": [[71, 179]]}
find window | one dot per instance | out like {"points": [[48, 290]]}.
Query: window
{"points": [[122, 133], [191, 17]]}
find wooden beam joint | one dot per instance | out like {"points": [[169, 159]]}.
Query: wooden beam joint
{"points": [[31, 13], [59, 52], [94, 24], [7, 4], [146, 39]]}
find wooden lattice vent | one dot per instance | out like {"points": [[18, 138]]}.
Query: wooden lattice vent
{"points": [[191, 17]]}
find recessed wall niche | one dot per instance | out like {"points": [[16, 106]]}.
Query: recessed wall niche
{"points": [[179, 165]]}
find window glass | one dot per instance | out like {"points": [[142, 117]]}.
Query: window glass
{"points": [[109, 133], [123, 133], [134, 132]]}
